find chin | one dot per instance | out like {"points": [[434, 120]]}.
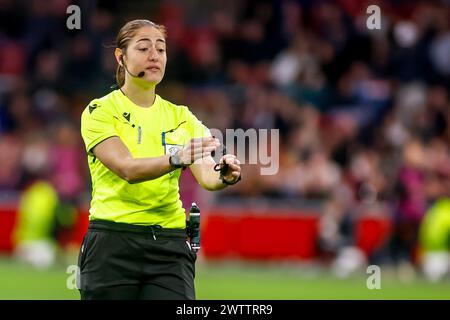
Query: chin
{"points": [[153, 80]]}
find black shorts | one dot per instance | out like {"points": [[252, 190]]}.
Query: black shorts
{"points": [[124, 261]]}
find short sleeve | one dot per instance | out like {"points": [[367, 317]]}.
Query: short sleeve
{"points": [[196, 128], [97, 124]]}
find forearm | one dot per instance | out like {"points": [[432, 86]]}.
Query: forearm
{"points": [[113, 153], [210, 179], [142, 169]]}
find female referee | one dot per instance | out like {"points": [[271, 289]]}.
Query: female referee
{"points": [[137, 143]]}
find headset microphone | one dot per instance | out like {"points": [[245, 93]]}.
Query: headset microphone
{"points": [[139, 75]]}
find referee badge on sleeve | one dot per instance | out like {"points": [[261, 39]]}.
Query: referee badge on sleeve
{"points": [[171, 142], [172, 149]]}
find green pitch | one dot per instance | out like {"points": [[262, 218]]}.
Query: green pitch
{"points": [[220, 280]]}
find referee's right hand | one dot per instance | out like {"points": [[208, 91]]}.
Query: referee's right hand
{"points": [[197, 148]]}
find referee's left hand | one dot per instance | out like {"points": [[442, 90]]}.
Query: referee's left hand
{"points": [[234, 168]]}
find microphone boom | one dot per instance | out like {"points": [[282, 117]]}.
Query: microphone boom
{"points": [[139, 75]]}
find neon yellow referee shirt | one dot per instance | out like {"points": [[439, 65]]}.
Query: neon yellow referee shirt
{"points": [[147, 132]]}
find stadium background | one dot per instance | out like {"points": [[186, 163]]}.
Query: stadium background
{"points": [[364, 141]]}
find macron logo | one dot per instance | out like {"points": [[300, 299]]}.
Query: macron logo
{"points": [[126, 115], [93, 107]]}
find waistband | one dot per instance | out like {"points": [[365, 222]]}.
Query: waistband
{"points": [[156, 231]]}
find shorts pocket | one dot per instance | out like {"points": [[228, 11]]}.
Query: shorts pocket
{"points": [[192, 253], [82, 252]]}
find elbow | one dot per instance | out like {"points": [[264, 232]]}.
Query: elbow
{"points": [[131, 180], [132, 174], [126, 173], [126, 176]]}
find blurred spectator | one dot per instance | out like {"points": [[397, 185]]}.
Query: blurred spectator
{"points": [[363, 114], [33, 234], [412, 202], [33, 240], [434, 240], [66, 176], [10, 154]]}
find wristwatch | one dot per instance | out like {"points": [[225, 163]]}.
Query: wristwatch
{"points": [[175, 161]]}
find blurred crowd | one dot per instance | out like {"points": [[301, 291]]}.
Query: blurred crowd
{"points": [[363, 114]]}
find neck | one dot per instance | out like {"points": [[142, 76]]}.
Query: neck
{"points": [[143, 96]]}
